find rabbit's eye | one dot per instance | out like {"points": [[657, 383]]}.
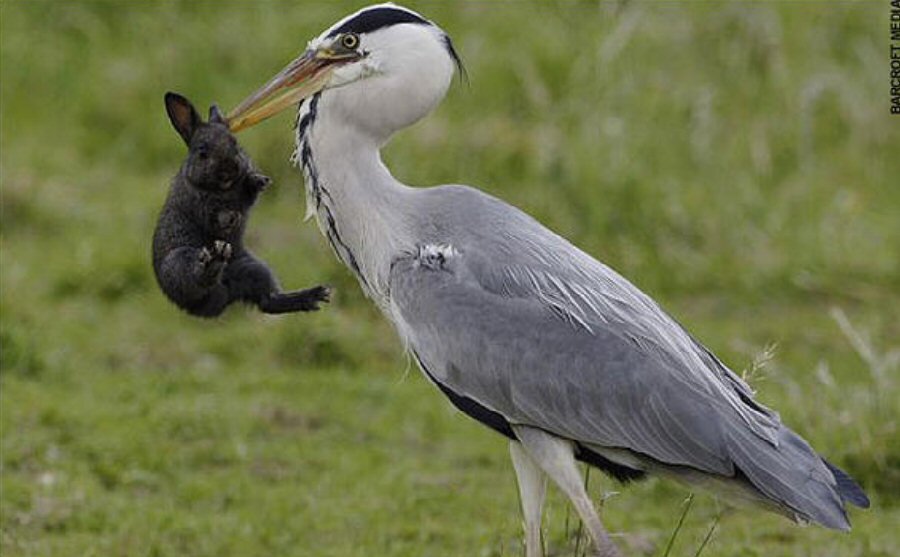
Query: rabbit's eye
{"points": [[202, 152], [350, 41]]}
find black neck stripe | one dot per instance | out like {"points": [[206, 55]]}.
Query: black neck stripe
{"points": [[377, 18]]}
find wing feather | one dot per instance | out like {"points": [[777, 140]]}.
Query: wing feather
{"points": [[511, 254], [516, 357], [535, 330]]}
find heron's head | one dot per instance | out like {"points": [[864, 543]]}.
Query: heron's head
{"points": [[380, 69]]}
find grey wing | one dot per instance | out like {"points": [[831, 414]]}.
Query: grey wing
{"points": [[519, 357], [534, 330], [512, 255]]}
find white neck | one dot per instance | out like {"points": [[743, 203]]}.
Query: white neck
{"points": [[361, 209]]}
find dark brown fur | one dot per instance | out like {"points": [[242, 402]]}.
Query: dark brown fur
{"points": [[199, 257]]}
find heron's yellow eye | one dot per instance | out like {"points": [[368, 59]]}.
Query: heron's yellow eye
{"points": [[350, 41]]}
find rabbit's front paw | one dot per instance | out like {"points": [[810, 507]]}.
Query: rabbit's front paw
{"points": [[221, 250], [211, 260], [204, 257]]}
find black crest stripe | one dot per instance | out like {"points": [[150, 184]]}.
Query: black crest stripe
{"points": [[377, 18], [448, 44]]}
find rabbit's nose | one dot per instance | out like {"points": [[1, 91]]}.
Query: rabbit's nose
{"points": [[262, 181]]}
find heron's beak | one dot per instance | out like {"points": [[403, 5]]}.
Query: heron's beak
{"points": [[303, 77]]}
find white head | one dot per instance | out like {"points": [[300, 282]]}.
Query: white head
{"points": [[381, 69]]}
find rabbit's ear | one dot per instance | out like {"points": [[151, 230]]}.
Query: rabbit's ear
{"points": [[183, 116], [215, 115]]}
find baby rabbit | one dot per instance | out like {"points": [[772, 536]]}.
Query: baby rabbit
{"points": [[198, 250]]}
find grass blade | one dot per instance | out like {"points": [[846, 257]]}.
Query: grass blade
{"points": [[687, 507], [708, 535]]}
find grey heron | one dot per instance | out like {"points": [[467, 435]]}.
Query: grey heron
{"points": [[519, 328]]}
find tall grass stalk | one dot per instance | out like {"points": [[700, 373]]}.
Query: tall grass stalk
{"points": [[708, 537], [687, 508]]}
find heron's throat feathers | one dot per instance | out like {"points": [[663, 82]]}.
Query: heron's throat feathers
{"points": [[358, 205], [302, 155]]}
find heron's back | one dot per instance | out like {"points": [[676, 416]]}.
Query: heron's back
{"points": [[588, 354]]}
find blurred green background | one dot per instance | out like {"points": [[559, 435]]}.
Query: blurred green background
{"points": [[735, 160]]}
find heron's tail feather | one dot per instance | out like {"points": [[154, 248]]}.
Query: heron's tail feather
{"points": [[847, 488], [794, 478]]}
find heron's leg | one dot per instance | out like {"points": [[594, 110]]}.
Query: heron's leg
{"points": [[556, 458], [532, 487]]}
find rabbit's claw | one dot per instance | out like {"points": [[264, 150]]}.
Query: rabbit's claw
{"points": [[213, 259], [222, 250], [315, 296], [321, 293]]}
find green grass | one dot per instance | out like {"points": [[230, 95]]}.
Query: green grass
{"points": [[735, 160]]}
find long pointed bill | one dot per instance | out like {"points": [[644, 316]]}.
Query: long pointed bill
{"points": [[306, 75]]}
